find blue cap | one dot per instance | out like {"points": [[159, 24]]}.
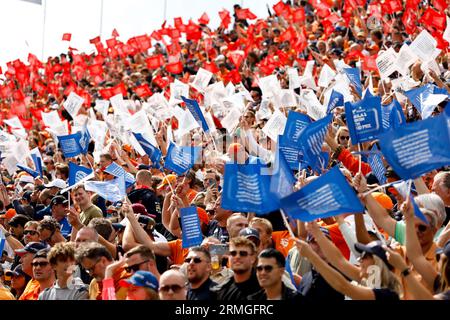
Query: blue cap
{"points": [[141, 279], [32, 247]]}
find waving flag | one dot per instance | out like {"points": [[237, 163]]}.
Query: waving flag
{"points": [[245, 189], [190, 223], [327, 196], [30, 171], [153, 152], [37, 160], [282, 180], [403, 190], [392, 115], [108, 190], [354, 75], [295, 123], [180, 159], [311, 140], [70, 144], [194, 108], [117, 171], [417, 148], [376, 163], [426, 98], [85, 138], [364, 119], [291, 152], [77, 173], [336, 100]]}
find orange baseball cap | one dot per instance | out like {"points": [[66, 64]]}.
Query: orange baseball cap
{"points": [[8, 214], [383, 200], [169, 178]]}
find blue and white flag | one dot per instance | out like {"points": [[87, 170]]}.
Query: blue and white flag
{"points": [[2, 241], [354, 75], [282, 180], [180, 159], [426, 98], [245, 189], [292, 154], [336, 100], [311, 140], [327, 196], [194, 108], [30, 171], [115, 170], [108, 190], [295, 124], [85, 138], [37, 160], [417, 148], [153, 152], [402, 189], [376, 163], [364, 119], [392, 115], [77, 173], [190, 224], [70, 144]]}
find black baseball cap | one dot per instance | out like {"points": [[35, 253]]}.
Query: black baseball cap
{"points": [[31, 247], [58, 200], [374, 248]]}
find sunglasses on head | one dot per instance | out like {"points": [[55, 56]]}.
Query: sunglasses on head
{"points": [[40, 263], [234, 253], [174, 287], [196, 260], [266, 268]]}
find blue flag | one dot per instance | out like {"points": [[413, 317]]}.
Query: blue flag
{"points": [[153, 152], [115, 170], [180, 159], [295, 124], [327, 196], [2, 242], [402, 188], [85, 138], [364, 119], [336, 100], [37, 160], [311, 140], [245, 189], [120, 181], [282, 180], [77, 173], [354, 75], [70, 144], [291, 152], [420, 98], [108, 190], [417, 148], [190, 224], [30, 171], [194, 108], [392, 115], [376, 163]]}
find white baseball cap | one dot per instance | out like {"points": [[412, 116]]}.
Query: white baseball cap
{"points": [[58, 183], [26, 178]]}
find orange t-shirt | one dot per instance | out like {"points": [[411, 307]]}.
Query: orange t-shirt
{"points": [[191, 194], [5, 294], [337, 238], [283, 241], [31, 291], [177, 253]]}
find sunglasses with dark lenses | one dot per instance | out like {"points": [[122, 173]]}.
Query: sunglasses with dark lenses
{"points": [[40, 264], [241, 253], [134, 267], [267, 268], [30, 232], [196, 260], [344, 138], [174, 287]]}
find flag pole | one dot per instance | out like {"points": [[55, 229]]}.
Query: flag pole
{"points": [[360, 157], [286, 223], [101, 17], [43, 30]]}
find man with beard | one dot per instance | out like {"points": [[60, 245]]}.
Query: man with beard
{"points": [[199, 268]]}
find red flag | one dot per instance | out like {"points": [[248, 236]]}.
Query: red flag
{"points": [[156, 35], [440, 5], [288, 35], [178, 23], [434, 19], [115, 34], [144, 42], [211, 67], [66, 37], [143, 91], [95, 40], [204, 19], [236, 57], [120, 88], [233, 76], [106, 93], [174, 34], [95, 70], [280, 8], [391, 6], [299, 15], [176, 67], [409, 20], [160, 82], [154, 62], [369, 63], [111, 43], [243, 14], [322, 8], [225, 18]]}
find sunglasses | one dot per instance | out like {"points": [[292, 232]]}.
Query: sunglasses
{"points": [[266, 268], [174, 287], [30, 232], [422, 228], [134, 267], [40, 264], [344, 138], [241, 253], [196, 260]]}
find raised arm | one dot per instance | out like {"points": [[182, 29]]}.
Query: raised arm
{"points": [[333, 254], [11, 240]]}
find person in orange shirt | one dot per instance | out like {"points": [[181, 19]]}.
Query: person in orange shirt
{"points": [[26, 258], [279, 240]]}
